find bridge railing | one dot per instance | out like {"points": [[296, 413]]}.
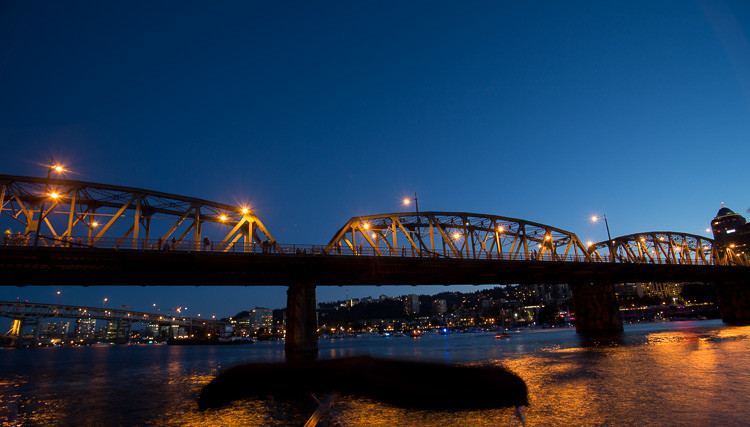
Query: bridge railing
{"points": [[304, 249]]}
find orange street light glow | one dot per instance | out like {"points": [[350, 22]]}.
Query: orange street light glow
{"points": [[223, 217], [54, 195], [367, 226], [407, 201], [589, 243], [245, 210]]}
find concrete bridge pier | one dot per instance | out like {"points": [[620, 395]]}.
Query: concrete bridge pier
{"points": [[596, 308], [301, 342], [734, 302]]}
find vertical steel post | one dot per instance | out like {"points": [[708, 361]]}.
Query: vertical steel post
{"points": [[137, 222]]}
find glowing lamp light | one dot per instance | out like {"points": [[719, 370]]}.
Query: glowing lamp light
{"points": [[643, 239], [589, 243], [407, 201], [373, 235], [245, 210], [54, 195], [58, 168], [500, 229], [732, 245], [94, 224], [594, 218], [547, 237], [708, 230], [456, 236], [223, 217], [366, 226]]}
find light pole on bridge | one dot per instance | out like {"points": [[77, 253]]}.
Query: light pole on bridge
{"points": [[59, 169], [408, 200], [596, 218]]}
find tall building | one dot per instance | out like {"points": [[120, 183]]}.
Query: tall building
{"points": [[439, 306], [85, 328], [116, 330], [731, 231], [411, 304], [261, 317]]}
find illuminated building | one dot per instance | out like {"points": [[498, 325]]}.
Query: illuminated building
{"points": [[411, 304], [731, 231], [439, 307], [85, 328], [261, 318]]}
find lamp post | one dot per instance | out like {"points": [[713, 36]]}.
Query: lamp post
{"points": [[419, 231], [596, 218], [57, 168]]}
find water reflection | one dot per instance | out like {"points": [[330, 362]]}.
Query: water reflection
{"points": [[686, 373]]}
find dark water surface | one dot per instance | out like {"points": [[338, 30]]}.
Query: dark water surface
{"points": [[672, 374]]}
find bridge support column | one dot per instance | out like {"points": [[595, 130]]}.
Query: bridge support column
{"points": [[596, 308], [734, 302], [301, 342]]}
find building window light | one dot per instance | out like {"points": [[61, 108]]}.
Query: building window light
{"points": [[731, 231]]}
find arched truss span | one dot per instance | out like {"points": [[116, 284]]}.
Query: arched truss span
{"points": [[455, 235], [68, 213], [663, 247]]}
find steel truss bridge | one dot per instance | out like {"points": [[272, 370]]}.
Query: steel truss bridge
{"points": [[82, 214], [77, 214], [81, 233], [27, 310]]}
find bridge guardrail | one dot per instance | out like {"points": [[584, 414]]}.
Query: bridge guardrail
{"points": [[297, 249]]}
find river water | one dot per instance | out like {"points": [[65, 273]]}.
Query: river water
{"points": [[672, 374]]}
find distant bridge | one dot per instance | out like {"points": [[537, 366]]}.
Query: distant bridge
{"points": [[23, 312], [96, 234]]}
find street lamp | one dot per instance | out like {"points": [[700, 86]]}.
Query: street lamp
{"points": [[408, 200], [596, 218], [52, 167]]}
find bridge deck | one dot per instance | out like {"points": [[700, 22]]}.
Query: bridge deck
{"points": [[24, 266]]}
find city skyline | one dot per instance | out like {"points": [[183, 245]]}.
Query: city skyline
{"points": [[315, 114]]}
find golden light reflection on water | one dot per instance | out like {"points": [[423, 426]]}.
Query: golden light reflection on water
{"points": [[682, 376]]}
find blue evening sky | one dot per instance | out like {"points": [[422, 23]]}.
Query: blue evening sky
{"points": [[314, 112]]}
